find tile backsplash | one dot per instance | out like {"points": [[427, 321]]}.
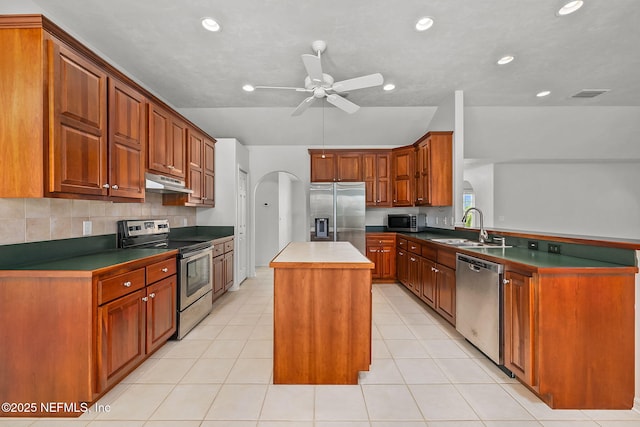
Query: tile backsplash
{"points": [[32, 220]]}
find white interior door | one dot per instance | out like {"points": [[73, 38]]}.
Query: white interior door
{"points": [[241, 244]]}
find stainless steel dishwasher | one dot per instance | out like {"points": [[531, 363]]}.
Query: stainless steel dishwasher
{"points": [[479, 304]]}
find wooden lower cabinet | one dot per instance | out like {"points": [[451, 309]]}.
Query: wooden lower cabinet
{"points": [[222, 266], [446, 293], [428, 276], [381, 251], [87, 329], [413, 275], [569, 336], [402, 265]]}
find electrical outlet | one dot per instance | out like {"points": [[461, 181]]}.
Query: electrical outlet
{"points": [[554, 248], [86, 228], [533, 244]]}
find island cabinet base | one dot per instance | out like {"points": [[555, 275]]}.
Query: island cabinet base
{"points": [[322, 325]]}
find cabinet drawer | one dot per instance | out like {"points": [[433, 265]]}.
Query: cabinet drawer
{"points": [[402, 243], [161, 269], [117, 286], [380, 240], [429, 252], [218, 249], [447, 258], [228, 246], [414, 247]]}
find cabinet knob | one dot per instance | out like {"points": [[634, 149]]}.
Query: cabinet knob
{"points": [[171, 167], [115, 187], [413, 247], [435, 270], [506, 281], [164, 270], [152, 295], [127, 284], [401, 253], [145, 299], [204, 198], [413, 259], [105, 186]]}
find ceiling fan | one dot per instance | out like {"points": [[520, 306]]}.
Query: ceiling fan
{"points": [[321, 85]]}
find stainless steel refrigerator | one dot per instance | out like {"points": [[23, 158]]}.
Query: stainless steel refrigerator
{"points": [[337, 212]]}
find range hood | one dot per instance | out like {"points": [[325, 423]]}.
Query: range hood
{"points": [[164, 184]]}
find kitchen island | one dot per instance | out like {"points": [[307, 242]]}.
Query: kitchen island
{"points": [[322, 313]]}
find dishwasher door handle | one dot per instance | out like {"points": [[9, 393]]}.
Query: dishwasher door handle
{"points": [[474, 268]]}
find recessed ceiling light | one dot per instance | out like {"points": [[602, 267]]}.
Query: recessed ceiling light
{"points": [[210, 24], [248, 88], [389, 87], [543, 93], [424, 23], [570, 7], [505, 59]]}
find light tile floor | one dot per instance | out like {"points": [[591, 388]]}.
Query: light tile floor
{"points": [[423, 374]]}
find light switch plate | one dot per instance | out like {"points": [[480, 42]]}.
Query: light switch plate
{"points": [[86, 228]]}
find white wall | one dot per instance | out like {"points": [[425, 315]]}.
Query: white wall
{"points": [[224, 213], [266, 219], [507, 133], [481, 178], [594, 199], [285, 209]]}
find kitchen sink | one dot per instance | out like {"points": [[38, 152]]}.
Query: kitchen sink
{"points": [[466, 243]]}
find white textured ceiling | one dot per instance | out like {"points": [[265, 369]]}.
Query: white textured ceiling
{"points": [[161, 43]]}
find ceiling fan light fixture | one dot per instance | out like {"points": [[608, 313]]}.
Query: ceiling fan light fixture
{"points": [[389, 87], [248, 88], [543, 93], [424, 23], [506, 59], [210, 24], [570, 7]]}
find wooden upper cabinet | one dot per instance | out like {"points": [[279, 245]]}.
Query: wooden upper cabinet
{"points": [[78, 101], [438, 170], [377, 178], [402, 166], [349, 167], [167, 142], [127, 138], [323, 167], [200, 173], [336, 165]]}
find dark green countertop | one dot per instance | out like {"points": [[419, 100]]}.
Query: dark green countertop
{"points": [[94, 261], [534, 258]]}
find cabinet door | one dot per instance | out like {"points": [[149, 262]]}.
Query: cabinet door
{"points": [[349, 167], [228, 270], [518, 326], [439, 177], [446, 293], [369, 176], [218, 276], [422, 173], [209, 169], [428, 280], [178, 142], [196, 166], [121, 337], [383, 180], [127, 137], [158, 155], [78, 147], [414, 274], [402, 265], [387, 262], [323, 167], [161, 312], [403, 176], [374, 255]]}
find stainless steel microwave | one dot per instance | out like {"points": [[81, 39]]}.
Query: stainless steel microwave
{"points": [[412, 223]]}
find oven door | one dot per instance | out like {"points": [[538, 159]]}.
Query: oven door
{"points": [[195, 276]]}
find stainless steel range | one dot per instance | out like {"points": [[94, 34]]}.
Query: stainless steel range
{"points": [[195, 263]]}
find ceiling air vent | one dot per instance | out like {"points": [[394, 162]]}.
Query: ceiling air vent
{"points": [[590, 93]]}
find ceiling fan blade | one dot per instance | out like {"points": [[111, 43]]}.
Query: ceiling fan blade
{"points": [[358, 83], [298, 89], [313, 66], [342, 103], [303, 106]]}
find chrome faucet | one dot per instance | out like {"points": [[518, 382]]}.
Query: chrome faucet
{"points": [[484, 236]]}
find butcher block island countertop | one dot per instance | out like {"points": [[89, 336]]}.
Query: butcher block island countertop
{"points": [[322, 313]]}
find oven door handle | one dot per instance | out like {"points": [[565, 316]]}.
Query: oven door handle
{"points": [[195, 254]]}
